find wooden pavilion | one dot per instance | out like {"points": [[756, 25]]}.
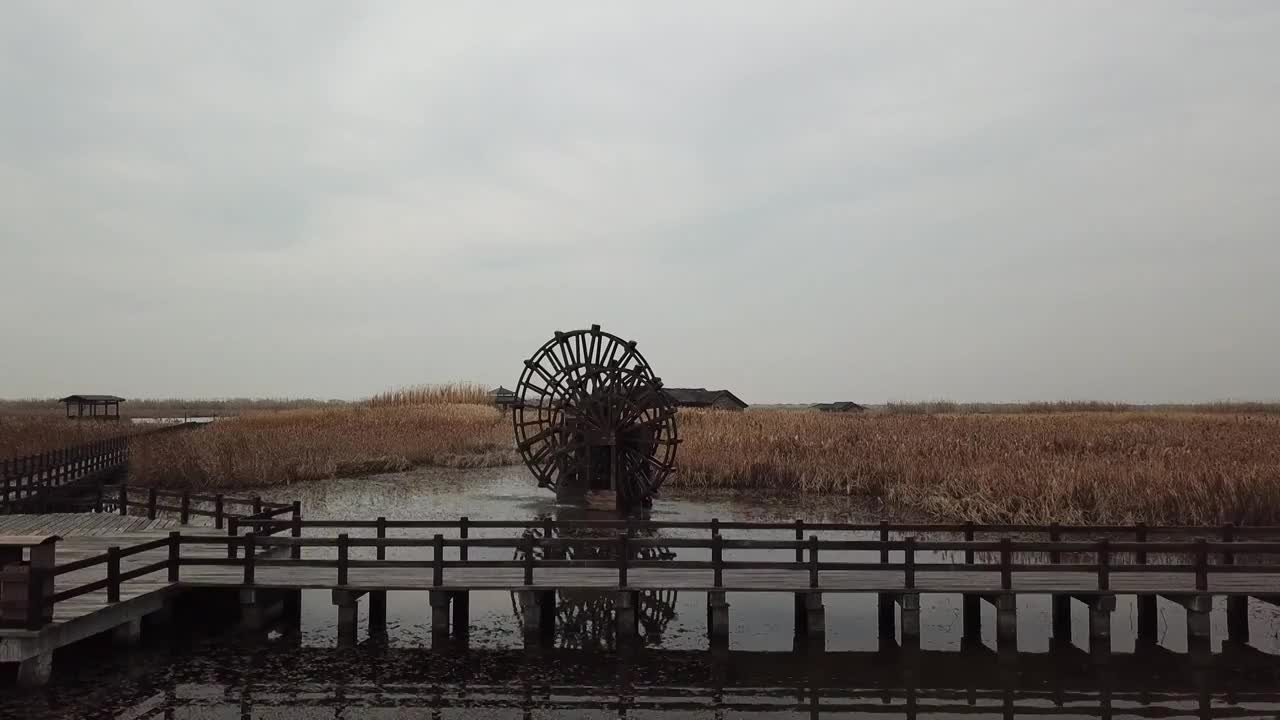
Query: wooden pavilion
{"points": [[99, 406]]}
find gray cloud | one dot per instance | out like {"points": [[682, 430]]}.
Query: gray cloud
{"points": [[980, 201]]}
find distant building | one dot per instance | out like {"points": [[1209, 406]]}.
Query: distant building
{"points": [[502, 397], [704, 398], [99, 406], [839, 407]]}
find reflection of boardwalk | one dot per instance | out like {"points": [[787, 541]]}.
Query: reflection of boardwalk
{"points": [[739, 684]]}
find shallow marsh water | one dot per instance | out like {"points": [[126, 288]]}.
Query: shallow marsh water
{"points": [[301, 674]]}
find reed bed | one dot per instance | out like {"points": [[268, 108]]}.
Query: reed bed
{"points": [[1087, 467], [454, 393], [297, 445], [29, 434]]}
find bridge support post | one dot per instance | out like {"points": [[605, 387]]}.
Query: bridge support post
{"points": [[624, 604], [801, 623], [1238, 619], [128, 633], [252, 612], [1061, 619], [348, 616], [547, 621], [1148, 621], [1198, 625], [815, 621], [1006, 624], [885, 624], [35, 670], [971, 611], [1100, 609], [439, 617], [377, 612], [532, 615], [461, 614], [910, 604], [717, 619]]}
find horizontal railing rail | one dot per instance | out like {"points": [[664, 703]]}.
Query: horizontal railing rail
{"points": [[1139, 530]]}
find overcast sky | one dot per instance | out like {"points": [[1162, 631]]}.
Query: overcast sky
{"points": [[799, 201]]}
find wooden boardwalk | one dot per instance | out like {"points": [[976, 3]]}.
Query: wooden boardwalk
{"points": [[114, 569]]}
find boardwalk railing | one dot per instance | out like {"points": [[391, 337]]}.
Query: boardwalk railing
{"points": [[1189, 566], [27, 480], [224, 510]]}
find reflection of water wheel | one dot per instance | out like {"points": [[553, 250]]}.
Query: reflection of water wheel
{"points": [[585, 619], [590, 415]]}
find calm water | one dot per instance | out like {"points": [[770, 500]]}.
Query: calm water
{"points": [[208, 671]]}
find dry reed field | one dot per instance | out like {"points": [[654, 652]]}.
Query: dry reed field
{"points": [[29, 434], [1064, 462], [1169, 467], [297, 445]]}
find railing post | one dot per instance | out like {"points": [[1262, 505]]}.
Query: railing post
{"points": [[437, 562], [151, 503], [1006, 564], [381, 533], [113, 574], [250, 557], [528, 559], [909, 560], [123, 500], [884, 542], [175, 554], [1140, 533], [295, 532], [799, 539], [548, 528], [1055, 535], [624, 552], [715, 527], [813, 561], [218, 511], [717, 557], [185, 516], [343, 557], [1104, 563], [257, 507], [1202, 564], [233, 529], [968, 537], [1228, 535], [462, 535]]}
